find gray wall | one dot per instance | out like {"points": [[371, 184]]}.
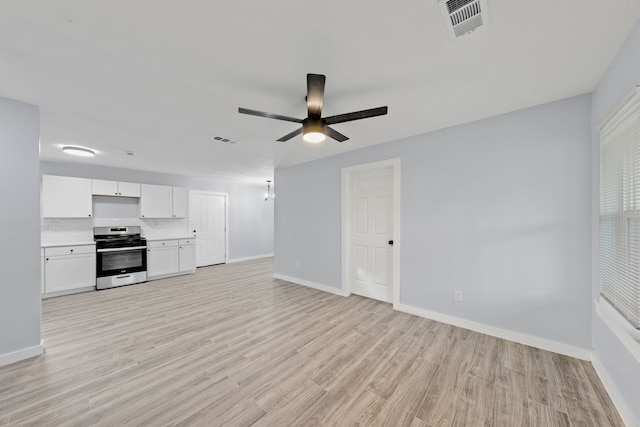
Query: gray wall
{"points": [[20, 216], [621, 77], [498, 208], [250, 217]]}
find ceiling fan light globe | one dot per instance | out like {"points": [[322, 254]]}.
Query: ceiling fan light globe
{"points": [[314, 137]]}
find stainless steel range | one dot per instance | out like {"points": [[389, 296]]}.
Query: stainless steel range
{"points": [[121, 256]]}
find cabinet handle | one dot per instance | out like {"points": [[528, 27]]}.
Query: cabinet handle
{"points": [[71, 250], [46, 259], [89, 215], [142, 216]]}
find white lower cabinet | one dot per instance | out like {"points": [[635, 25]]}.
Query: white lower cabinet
{"points": [[163, 258], [69, 269], [187, 255], [170, 257]]}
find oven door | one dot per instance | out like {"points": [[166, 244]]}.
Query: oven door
{"points": [[118, 261]]}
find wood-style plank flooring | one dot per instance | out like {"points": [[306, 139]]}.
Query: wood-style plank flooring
{"points": [[231, 346]]}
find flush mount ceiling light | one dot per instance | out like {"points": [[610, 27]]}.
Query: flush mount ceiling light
{"points": [[78, 151], [316, 128]]}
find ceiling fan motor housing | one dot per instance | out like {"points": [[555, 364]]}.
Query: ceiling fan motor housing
{"points": [[313, 125]]}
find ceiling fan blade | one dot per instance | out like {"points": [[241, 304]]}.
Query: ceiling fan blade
{"points": [[315, 94], [332, 133], [356, 115], [268, 115], [290, 135]]}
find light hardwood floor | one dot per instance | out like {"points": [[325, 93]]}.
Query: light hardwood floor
{"points": [[231, 346]]}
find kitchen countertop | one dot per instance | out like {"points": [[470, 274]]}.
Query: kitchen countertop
{"points": [[155, 239], [91, 242], [58, 244]]}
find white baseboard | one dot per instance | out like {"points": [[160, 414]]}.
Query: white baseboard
{"points": [[318, 286], [249, 258], [25, 353], [541, 343], [620, 404], [607, 314]]}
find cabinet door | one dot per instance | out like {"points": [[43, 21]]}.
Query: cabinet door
{"points": [[187, 257], [42, 271], [66, 197], [163, 260], [180, 202], [100, 187], [155, 201], [128, 189], [67, 272]]}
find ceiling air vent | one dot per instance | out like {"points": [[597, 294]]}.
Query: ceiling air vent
{"points": [[224, 140], [464, 16]]}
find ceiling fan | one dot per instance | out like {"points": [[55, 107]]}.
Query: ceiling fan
{"points": [[315, 128]]}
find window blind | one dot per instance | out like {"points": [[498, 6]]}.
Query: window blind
{"points": [[620, 208]]}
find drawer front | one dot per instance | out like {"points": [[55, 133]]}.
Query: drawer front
{"points": [[69, 250], [187, 242], [162, 243]]}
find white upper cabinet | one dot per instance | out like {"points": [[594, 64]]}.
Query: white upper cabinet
{"points": [[156, 201], [180, 202], [100, 187], [160, 201], [129, 189], [66, 197]]}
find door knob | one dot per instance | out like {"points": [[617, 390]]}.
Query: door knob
{"points": [[391, 242]]}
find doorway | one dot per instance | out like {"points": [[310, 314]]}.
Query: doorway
{"points": [[371, 230], [208, 224]]}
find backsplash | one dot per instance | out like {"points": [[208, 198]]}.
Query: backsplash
{"points": [[73, 230]]}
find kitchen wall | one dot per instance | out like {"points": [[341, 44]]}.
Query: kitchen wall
{"points": [[498, 208], [250, 231], [618, 363], [20, 249]]}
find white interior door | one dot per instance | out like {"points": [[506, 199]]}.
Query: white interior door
{"points": [[371, 233], [208, 225]]}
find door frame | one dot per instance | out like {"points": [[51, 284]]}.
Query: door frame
{"points": [[347, 173], [226, 219]]}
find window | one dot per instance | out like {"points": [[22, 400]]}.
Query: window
{"points": [[620, 209]]}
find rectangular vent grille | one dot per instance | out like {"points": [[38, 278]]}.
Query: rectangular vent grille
{"points": [[224, 140], [453, 5], [463, 16]]}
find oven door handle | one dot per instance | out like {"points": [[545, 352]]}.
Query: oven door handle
{"points": [[135, 248]]}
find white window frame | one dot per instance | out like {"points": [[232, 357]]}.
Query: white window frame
{"points": [[619, 205]]}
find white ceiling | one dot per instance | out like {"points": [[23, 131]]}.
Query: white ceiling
{"points": [[162, 77]]}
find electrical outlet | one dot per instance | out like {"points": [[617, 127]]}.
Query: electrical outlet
{"points": [[457, 295]]}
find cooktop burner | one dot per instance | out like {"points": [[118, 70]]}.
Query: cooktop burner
{"points": [[118, 237]]}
